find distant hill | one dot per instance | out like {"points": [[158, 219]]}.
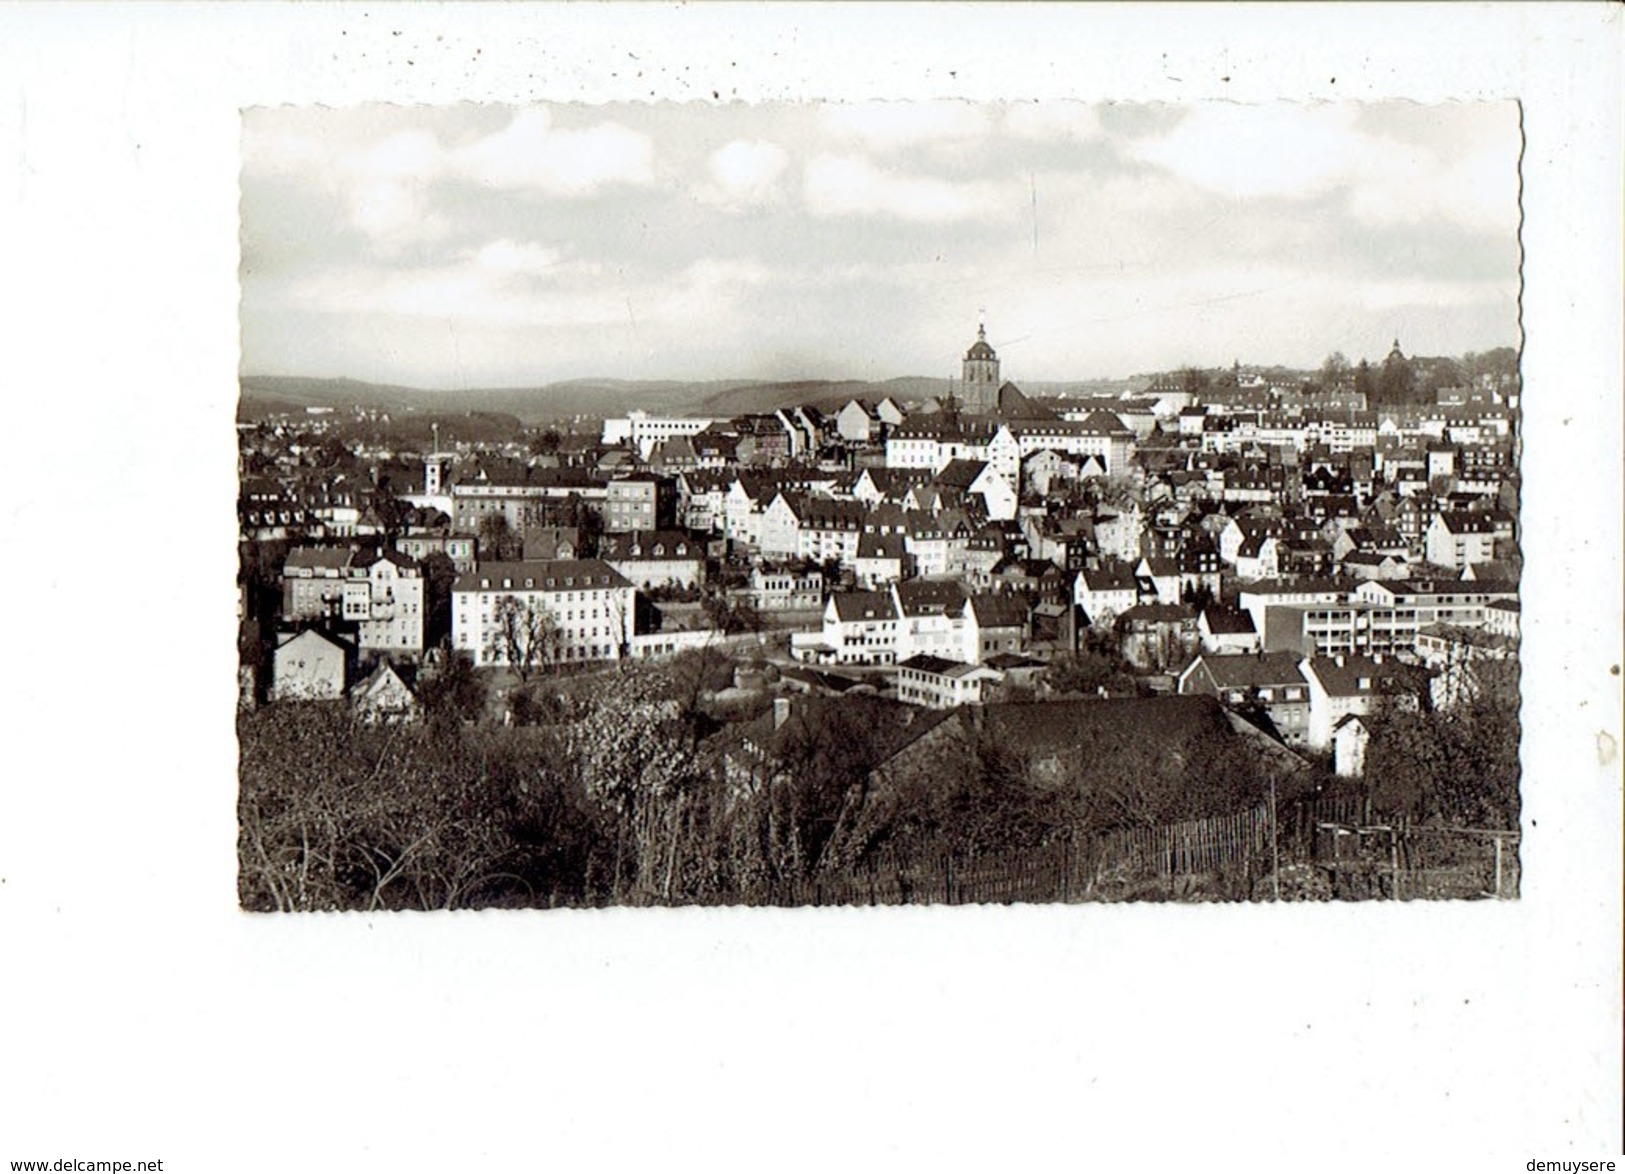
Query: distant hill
{"points": [[267, 395], [825, 394], [418, 429]]}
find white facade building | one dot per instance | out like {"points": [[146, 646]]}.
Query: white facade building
{"points": [[586, 605]]}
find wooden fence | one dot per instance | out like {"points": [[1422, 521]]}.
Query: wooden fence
{"points": [[1220, 857], [1400, 861], [1228, 851]]}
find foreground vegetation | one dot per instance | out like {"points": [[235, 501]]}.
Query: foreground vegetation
{"points": [[640, 787]]}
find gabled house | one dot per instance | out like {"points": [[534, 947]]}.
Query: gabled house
{"points": [[861, 627], [1350, 737], [1157, 636], [1117, 533], [936, 542], [310, 665], [856, 423], [1159, 580], [1259, 557], [938, 683], [1106, 590], [890, 413], [542, 543], [1243, 536], [997, 625], [1341, 686], [829, 530], [931, 619], [1362, 564], [980, 479], [1368, 539], [700, 500], [882, 559], [1268, 684], [384, 695]]}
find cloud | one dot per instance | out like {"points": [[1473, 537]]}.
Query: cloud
{"points": [[387, 188], [383, 229], [893, 125], [405, 155], [1421, 291], [1301, 152], [531, 153], [745, 171], [852, 186], [389, 211], [1053, 121], [1400, 187], [508, 257], [1244, 151]]}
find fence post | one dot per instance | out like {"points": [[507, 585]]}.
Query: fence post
{"points": [[1498, 868], [1393, 857], [1275, 845]]}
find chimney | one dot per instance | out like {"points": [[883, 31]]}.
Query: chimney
{"points": [[781, 711]]}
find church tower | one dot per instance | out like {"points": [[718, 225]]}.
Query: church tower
{"points": [[980, 376]]}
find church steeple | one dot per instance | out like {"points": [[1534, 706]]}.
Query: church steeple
{"points": [[980, 374]]}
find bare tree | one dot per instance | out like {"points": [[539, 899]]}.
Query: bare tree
{"points": [[1334, 371], [521, 635]]}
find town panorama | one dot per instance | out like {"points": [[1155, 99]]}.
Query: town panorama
{"points": [[1245, 633]]}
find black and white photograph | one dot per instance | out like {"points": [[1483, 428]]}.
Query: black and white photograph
{"points": [[879, 503], [807, 587]]}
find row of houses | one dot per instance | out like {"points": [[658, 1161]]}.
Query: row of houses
{"points": [[938, 618]]}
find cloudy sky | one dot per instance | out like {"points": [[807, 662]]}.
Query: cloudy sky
{"points": [[478, 245]]}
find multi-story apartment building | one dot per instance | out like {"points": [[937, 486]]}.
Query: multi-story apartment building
{"points": [[1460, 603], [517, 493], [640, 503], [861, 627], [380, 592], [1457, 539], [785, 590], [1328, 629], [658, 558], [585, 609]]}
